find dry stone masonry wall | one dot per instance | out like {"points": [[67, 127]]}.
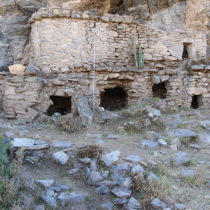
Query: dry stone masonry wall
{"points": [[79, 53]]}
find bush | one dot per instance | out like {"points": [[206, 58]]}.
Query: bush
{"points": [[69, 123], [8, 175]]}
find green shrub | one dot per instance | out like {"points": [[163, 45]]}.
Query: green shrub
{"points": [[8, 176]]}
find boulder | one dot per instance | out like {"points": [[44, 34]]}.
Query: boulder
{"points": [[17, 69], [94, 178], [60, 157], [121, 192], [133, 204], [110, 158], [84, 110], [45, 182]]}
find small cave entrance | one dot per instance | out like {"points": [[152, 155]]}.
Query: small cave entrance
{"points": [[113, 99], [159, 90], [116, 6], [60, 104], [185, 51], [196, 101]]}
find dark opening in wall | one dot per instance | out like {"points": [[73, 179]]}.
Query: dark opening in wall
{"points": [[185, 51], [196, 101], [159, 90], [113, 99], [60, 104], [116, 6]]}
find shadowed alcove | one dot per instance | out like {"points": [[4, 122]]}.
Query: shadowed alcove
{"points": [[113, 98], [159, 90], [60, 104], [196, 101]]}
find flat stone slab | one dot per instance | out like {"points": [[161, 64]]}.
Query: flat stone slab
{"points": [[61, 144], [30, 144], [149, 144], [45, 182], [133, 158], [121, 192], [182, 133]]}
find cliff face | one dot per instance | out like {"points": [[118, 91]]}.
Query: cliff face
{"points": [[15, 30], [166, 15]]}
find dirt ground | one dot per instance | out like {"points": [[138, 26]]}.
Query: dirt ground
{"points": [[128, 143]]}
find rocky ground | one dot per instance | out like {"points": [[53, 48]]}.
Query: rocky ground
{"points": [[144, 157]]}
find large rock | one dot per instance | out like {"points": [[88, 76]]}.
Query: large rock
{"points": [[45, 182], [60, 157], [94, 178], [6, 58], [110, 158], [84, 110], [30, 6], [121, 192], [133, 204], [30, 144], [14, 36], [17, 69]]}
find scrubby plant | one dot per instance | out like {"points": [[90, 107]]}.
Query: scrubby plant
{"points": [[69, 123], [90, 151], [194, 181], [9, 171], [138, 58]]}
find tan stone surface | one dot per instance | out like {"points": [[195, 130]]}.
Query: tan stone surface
{"points": [[17, 69]]}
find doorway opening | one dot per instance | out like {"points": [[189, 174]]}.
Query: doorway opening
{"points": [[196, 101], [114, 99], [159, 90], [60, 104]]}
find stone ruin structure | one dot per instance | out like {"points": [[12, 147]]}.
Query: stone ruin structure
{"points": [[80, 53]]}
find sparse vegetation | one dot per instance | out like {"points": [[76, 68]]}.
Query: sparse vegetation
{"points": [[182, 125], [9, 170], [68, 123], [148, 190], [187, 140], [90, 151], [193, 181]]}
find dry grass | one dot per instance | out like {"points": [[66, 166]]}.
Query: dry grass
{"points": [[194, 181], [147, 189], [91, 151], [68, 123]]}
